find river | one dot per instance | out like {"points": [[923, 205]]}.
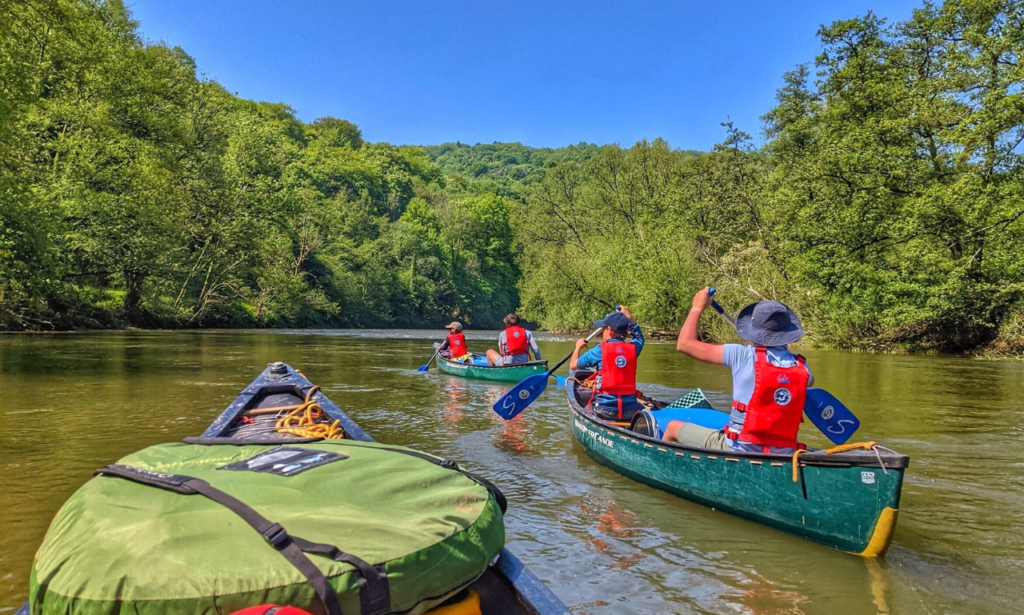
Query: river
{"points": [[71, 403]]}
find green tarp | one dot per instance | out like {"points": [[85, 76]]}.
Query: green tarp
{"points": [[119, 547]]}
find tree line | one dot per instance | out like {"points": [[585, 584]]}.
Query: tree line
{"points": [[884, 204], [135, 192]]}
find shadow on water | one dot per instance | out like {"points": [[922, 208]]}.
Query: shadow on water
{"points": [[605, 544]]}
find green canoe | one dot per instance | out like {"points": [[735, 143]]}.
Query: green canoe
{"points": [[846, 500], [511, 373]]}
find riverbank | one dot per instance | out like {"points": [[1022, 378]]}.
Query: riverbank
{"points": [[1000, 349]]}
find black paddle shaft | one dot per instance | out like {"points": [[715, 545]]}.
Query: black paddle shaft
{"points": [[569, 356]]}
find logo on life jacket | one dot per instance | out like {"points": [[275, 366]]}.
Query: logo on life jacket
{"points": [[783, 396], [620, 361], [516, 334], [783, 379]]}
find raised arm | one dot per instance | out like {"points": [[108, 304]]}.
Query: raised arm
{"points": [[574, 361], [689, 343]]}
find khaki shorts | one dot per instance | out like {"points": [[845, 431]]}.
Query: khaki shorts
{"points": [[691, 434]]}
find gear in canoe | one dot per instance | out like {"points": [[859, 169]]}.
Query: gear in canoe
{"points": [[258, 512]]}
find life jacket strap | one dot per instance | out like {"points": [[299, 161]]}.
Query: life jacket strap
{"points": [[374, 592]]}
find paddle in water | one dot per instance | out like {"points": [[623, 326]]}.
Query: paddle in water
{"points": [[427, 366], [523, 394], [826, 412]]}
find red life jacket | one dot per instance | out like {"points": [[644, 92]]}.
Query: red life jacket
{"points": [[515, 340], [776, 407], [457, 345], [618, 370]]}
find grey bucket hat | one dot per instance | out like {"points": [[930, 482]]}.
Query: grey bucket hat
{"points": [[769, 323]]}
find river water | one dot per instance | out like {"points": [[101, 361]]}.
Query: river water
{"points": [[604, 544]]}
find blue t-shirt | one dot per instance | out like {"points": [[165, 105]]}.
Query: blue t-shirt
{"points": [[740, 358], [591, 359]]}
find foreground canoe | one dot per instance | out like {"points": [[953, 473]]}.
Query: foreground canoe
{"points": [[510, 373], [505, 587], [847, 500]]}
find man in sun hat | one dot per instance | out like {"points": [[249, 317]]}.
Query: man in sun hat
{"points": [[454, 345], [769, 383], [615, 361]]}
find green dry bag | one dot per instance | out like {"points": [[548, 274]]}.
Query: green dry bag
{"points": [[336, 527]]}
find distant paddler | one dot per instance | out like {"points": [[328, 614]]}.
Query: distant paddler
{"points": [[453, 347], [515, 344], [769, 383], [615, 361]]}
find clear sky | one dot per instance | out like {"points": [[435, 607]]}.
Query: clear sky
{"points": [[546, 73]]}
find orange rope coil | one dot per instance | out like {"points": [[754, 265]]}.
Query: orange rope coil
{"points": [[309, 421]]}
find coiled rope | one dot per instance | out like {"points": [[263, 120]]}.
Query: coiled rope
{"points": [[308, 420]]}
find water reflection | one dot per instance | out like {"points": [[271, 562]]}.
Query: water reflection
{"points": [[605, 544]]}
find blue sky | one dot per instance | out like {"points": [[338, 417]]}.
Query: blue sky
{"points": [[543, 73]]}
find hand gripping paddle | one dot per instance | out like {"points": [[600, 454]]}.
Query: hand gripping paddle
{"points": [[523, 394], [826, 412]]}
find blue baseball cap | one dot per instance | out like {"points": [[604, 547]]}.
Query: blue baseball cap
{"points": [[616, 321]]}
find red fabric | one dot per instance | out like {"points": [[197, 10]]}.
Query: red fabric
{"points": [[618, 368], [271, 609], [776, 407], [457, 344], [515, 340]]}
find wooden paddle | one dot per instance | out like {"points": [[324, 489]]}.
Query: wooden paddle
{"points": [[827, 413], [523, 394]]}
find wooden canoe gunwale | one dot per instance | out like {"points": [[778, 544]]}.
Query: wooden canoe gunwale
{"points": [[853, 507]]}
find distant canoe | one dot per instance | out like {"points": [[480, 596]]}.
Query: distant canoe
{"points": [[510, 373], [847, 500]]}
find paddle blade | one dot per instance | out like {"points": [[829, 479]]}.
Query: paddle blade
{"points": [[516, 400], [830, 416], [424, 368], [560, 380]]}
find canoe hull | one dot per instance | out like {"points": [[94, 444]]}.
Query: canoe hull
{"points": [[845, 501], [511, 373]]}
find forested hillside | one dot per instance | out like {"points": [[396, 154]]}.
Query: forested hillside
{"points": [[885, 203], [886, 206], [135, 192]]}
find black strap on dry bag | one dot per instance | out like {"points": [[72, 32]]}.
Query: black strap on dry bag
{"points": [[374, 593]]}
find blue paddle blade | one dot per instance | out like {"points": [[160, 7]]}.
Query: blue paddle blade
{"points": [[830, 416], [560, 381], [516, 400], [424, 368]]}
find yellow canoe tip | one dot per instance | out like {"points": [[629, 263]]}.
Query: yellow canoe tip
{"points": [[882, 536]]}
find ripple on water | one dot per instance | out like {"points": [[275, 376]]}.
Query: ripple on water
{"points": [[603, 543]]}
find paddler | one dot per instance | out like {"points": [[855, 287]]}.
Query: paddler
{"points": [[769, 383], [615, 361], [515, 344], [454, 345]]}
